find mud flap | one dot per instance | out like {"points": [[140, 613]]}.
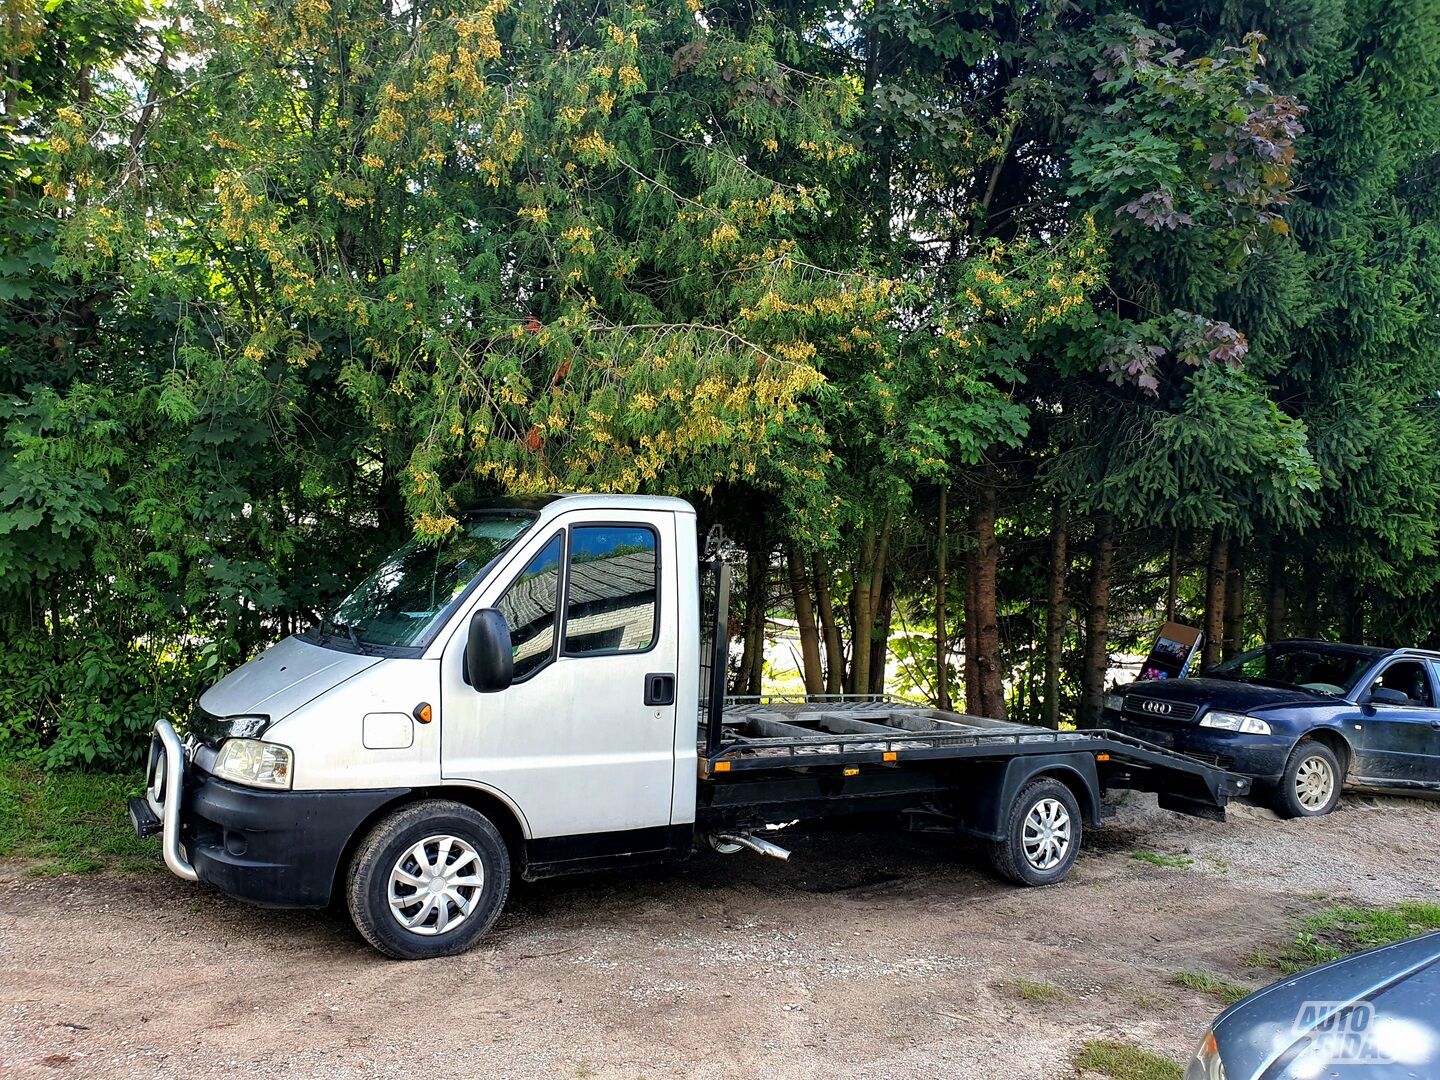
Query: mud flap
{"points": [[1182, 804]]}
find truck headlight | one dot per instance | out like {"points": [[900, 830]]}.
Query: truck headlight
{"points": [[1234, 721], [1206, 1064], [1114, 702], [254, 763]]}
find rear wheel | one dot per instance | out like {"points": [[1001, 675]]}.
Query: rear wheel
{"points": [[429, 880], [1311, 783], [1042, 835]]}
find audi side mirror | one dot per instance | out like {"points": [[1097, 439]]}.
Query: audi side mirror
{"points": [[1383, 695], [489, 656]]}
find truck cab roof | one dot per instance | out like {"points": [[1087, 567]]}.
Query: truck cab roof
{"points": [[556, 502]]}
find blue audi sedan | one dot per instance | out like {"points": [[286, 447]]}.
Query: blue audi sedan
{"points": [[1372, 1016], [1301, 717]]}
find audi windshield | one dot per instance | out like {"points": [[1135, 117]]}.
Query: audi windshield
{"points": [[1298, 665]]}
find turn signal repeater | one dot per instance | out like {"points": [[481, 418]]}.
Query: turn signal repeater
{"points": [[422, 713]]}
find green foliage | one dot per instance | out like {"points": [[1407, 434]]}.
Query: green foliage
{"points": [[1220, 989], [1157, 859], [69, 822], [283, 283], [1341, 929], [1041, 993], [1122, 1061]]}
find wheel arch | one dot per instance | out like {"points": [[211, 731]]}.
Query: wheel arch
{"points": [[1334, 741], [1087, 796], [985, 793], [506, 818]]}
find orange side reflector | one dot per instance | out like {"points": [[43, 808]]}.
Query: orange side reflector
{"points": [[852, 771], [1102, 757], [722, 766], [890, 755], [423, 713]]}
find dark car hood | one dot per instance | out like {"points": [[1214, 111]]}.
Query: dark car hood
{"points": [[1224, 693], [1395, 1026]]}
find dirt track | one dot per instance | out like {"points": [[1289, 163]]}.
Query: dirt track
{"points": [[880, 955]]}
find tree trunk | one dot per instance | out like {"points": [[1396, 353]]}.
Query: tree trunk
{"points": [[752, 656], [1055, 615], [1352, 612], [1097, 622], [880, 648], [834, 651], [1309, 606], [1172, 589], [987, 631], [973, 703], [805, 617], [862, 615], [1275, 594], [1234, 629], [865, 600], [942, 569], [1214, 599]]}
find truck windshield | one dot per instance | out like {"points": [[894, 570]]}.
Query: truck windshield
{"points": [[406, 595], [1304, 667]]}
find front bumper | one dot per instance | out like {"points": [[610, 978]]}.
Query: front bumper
{"points": [[1260, 756], [276, 848]]}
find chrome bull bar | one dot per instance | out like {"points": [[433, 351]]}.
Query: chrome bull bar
{"points": [[164, 792]]}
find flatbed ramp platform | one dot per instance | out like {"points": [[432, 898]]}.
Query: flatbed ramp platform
{"points": [[1029, 792], [856, 754]]}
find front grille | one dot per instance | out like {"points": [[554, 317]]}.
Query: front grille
{"points": [[1146, 708], [1144, 732], [1220, 761]]}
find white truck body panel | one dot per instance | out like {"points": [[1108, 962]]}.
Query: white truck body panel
{"points": [[573, 746]]}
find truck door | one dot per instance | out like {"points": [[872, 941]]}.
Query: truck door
{"points": [[583, 741], [1401, 742]]}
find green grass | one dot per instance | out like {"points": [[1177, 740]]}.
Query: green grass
{"points": [[1341, 929], [70, 822], [1030, 990], [1219, 989], [1156, 859], [1121, 1061]]}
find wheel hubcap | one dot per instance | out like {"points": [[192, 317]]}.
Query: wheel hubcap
{"points": [[435, 885], [1314, 783], [1047, 834]]}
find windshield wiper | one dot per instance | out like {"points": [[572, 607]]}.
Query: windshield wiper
{"points": [[330, 620]]}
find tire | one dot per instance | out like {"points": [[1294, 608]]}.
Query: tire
{"points": [[402, 855], [1311, 783], [1043, 804]]}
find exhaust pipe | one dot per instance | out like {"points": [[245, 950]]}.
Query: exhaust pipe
{"points": [[720, 841]]}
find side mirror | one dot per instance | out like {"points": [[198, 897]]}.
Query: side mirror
{"points": [[1383, 695], [489, 659]]}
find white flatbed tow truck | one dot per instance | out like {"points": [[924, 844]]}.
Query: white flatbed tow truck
{"points": [[544, 694]]}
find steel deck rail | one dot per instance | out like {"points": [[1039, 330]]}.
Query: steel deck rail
{"points": [[955, 736]]}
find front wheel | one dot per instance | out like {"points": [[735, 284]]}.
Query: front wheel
{"points": [[1042, 835], [1311, 783], [429, 880]]}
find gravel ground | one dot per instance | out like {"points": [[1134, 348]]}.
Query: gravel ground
{"points": [[876, 953]]}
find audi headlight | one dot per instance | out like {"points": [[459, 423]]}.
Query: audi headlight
{"points": [[1234, 721], [1114, 702], [254, 763], [1206, 1064]]}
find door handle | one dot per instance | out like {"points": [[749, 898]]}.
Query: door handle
{"points": [[659, 689]]}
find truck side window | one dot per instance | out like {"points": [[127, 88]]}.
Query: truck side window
{"points": [[529, 606], [611, 595]]}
